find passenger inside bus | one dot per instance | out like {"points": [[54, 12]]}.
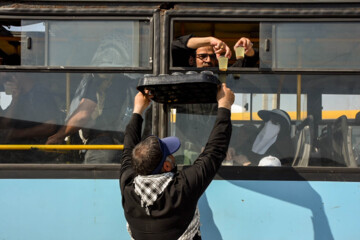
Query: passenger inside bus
{"points": [[241, 141], [273, 139], [200, 52], [31, 117], [101, 106]]}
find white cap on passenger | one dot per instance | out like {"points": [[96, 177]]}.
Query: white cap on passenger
{"points": [[270, 161]]}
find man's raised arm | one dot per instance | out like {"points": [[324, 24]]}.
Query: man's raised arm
{"points": [[133, 129]]}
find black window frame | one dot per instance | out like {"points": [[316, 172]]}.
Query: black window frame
{"points": [[73, 12]]}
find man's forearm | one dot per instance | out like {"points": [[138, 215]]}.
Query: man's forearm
{"points": [[132, 137], [196, 42], [39, 131]]}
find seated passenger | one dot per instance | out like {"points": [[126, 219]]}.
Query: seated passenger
{"points": [[30, 118], [200, 52], [102, 104], [273, 139], [242, 140]]}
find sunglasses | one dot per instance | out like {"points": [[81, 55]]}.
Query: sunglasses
{"points": [[203, 56]]}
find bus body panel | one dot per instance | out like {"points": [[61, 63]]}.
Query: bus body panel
{"points": [[230, 209]]}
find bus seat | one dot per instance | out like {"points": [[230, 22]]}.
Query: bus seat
{"points": [[304, 142], [350, 149], [342, 152]]}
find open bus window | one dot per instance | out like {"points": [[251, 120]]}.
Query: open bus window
{"points": [[63, 108], [74, 43], [185, 54], [315, 138]]}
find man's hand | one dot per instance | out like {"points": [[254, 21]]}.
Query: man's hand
{"points": [[225, 97], [141, 102], [247, 44], [13, 88], [220, 47], [55, 139]]}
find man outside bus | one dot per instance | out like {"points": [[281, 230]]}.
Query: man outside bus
{"points": [[160, 202]]}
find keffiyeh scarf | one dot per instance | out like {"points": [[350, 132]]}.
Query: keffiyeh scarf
{"points": [[149, 187]]}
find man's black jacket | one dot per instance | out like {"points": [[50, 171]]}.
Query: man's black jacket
{"points": [[172, 212]]}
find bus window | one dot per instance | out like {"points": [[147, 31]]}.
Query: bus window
{"points": [[65, 108], [286, 102], [335, 106], [310, 45], [74, 43], [313, 137], [184, 55]]}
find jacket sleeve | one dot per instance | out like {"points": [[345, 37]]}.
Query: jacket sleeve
{"points": [[132, 138], [201, 173], [180, 52]]}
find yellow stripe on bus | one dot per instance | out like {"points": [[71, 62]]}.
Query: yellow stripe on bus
{"points": [[350, 114], [60, 147]]}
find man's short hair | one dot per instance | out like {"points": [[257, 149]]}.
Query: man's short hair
{"points": [[146, 156]]}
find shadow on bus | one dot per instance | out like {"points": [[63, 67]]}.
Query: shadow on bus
{"points": [[291, 188], [208, 228]]}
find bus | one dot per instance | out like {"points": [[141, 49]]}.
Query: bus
{"points": [[68, 76]]}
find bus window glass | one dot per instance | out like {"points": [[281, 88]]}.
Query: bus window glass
{"points": [[60, 108], [76, 43], [271, 107], [315, 45], [335, 106], [185, 54], [286, 102]]}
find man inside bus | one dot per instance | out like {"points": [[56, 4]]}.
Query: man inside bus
{"points": [[160, 202], [200, 52], [101, 106], [273, 138], [30, 118]]}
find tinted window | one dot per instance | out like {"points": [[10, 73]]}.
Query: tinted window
{"points": [[76, 43]]}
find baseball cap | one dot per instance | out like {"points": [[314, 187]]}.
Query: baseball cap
{"points": [[168, 146]]}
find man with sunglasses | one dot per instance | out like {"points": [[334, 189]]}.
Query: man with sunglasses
{"points": [[200, 52], [160, 202]]}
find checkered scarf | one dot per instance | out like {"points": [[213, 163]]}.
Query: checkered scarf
{"points": [[193, 228], [149, 187]]}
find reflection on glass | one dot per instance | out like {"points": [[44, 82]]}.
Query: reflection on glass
{"points": [[36, 113], [316, 45], [28, 117], [74, 43], [309, 141]]}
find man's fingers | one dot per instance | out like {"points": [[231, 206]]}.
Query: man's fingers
{"points": [[148, 94]]}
